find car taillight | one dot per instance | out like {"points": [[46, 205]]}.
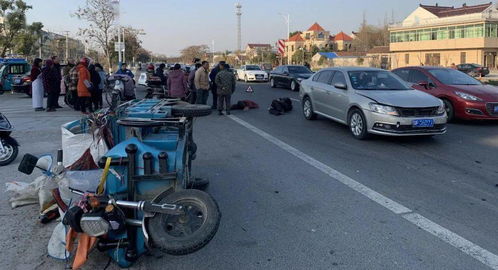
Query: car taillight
{"points": [[479, 68]]}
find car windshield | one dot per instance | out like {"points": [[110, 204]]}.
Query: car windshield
{"points": [[453, 77], [375, 80], [252, 68], [299, 69]]}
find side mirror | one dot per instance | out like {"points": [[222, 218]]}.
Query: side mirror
{"points": [[424, 84], [341, 86]]}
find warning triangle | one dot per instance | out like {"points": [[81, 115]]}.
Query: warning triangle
{"points": [[249, 89]]}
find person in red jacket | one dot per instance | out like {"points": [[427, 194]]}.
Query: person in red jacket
{"points": [[84, 84]]}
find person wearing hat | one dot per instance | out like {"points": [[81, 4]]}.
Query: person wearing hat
{"points": [[84, 84]]}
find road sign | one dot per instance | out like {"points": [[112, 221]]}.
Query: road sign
{"points": [[119, 46], [281, 46], [249, 89]]}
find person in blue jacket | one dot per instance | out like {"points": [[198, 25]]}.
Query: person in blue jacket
{"points": [[125, 71]]}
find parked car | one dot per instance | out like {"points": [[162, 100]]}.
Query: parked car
{"points": [[251, 73], [12, 73], [464, 97], [473, 70], [289, 76], [373, 101], [267, 67]]}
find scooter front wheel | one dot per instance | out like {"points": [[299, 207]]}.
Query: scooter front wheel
{"points": [[8, 154], [189, 232]]}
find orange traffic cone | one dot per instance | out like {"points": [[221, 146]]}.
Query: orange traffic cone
{"points": [[249, 89]]}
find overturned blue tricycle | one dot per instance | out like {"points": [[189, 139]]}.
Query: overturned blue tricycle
{"points": [[146, 197]]}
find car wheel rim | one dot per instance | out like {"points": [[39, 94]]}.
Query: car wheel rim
{"points": [[307, 108], [272, 83], [356, 124], [293, 85], [7, 153]]}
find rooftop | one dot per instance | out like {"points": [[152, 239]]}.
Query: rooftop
{"points": [[255, 45], [342, 36], [296, 37], [316, 27], [379, 49], [445, 11]]}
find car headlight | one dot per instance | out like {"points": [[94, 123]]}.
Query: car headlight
{"points": [[441, 110], [383, 109], [467, 96], [300, 79]]}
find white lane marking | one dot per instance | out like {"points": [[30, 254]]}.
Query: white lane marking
{"points": [[464, 245], [454, 239], [295, 99]]}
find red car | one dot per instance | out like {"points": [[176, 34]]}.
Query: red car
{"points": [[464, 97]]}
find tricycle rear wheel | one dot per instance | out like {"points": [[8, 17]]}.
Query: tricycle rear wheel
{"points": [[189, 232]]}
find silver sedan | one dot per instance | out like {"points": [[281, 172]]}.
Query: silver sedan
{"points": [[371, 101]]}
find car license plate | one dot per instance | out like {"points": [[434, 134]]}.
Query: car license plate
{"points": [[423, 123], [17, 81]]}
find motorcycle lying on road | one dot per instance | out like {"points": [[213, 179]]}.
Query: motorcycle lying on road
{"points": [[9, 147]]}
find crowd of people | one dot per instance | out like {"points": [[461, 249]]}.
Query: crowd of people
{"points": [[196, 86], [84, 83]]}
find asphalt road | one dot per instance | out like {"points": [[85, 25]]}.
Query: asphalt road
{"points": [[298, 194]]}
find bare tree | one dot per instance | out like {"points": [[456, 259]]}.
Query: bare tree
{"points": [[191, 52], [101, 16]]}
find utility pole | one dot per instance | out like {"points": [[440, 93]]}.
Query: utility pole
{"points": [[124, 47], [67, 45], [238, 12], [117, 11], [287, 20]]}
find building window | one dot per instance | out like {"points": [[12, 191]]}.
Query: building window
{"points": [[451, 33], [308, 36], [442, 33], [292, 48], [463, 57], [432, 59], [407, 59]]}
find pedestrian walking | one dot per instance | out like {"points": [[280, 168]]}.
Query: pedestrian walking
{"points": [[225, 82], [58, 72], [37, 91], [177, 84], [73, 88], [84, 84], [191, 84], [51, 84], [201, 82], [100, 69], [212, 77], [95, 92]]}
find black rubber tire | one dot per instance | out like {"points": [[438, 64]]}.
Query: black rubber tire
{"points": [[312, 115], [364, 133], [191, 110], [15, 152], [296, 86], [450, 111], [198, 239], [272, 83]]}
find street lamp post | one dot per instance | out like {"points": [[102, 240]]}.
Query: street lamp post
{"points": [[287, 20]]}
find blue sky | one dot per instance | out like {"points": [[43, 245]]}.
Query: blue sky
{"points": [[173, 25]]}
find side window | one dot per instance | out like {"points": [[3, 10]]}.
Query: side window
{"points": [[279, 69], [339, 78], [325, 77], [417, 76], [317, 76], [285, 69], [16, 69], [402, 73]]}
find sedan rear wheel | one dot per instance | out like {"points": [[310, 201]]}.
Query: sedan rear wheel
{"points": [[245, 78], [272, 83], [358, 124]]}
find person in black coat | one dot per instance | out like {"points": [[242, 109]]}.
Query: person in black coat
{"points": [[212, 78], [95, 91]]}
